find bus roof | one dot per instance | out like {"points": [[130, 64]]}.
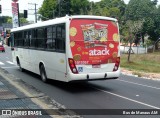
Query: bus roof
{"points": [[61, 20], [93, 17]]}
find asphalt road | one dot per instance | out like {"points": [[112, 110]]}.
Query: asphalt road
{"points": [[127, 92]]}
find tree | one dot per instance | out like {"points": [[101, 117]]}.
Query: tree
{"points": [[4, 19], [110, 8], [51, 8], [155, 32], [80, 7], [22, 20], [144, 10], [114, 11]]}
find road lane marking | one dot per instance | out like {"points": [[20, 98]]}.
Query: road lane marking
{"points": [[1, 63], [10, 67], [139, 84], [127, 98], [10, 62]]}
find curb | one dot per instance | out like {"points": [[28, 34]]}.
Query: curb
{"points": [[143, 76]]}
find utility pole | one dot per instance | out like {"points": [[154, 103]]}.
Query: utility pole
{"points": [[68, 6], [59, 7], [91, 7], [35, 9], [35, 14], [19, 24]]}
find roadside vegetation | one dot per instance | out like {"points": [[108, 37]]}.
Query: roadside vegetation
{"points": [[148, 63]]}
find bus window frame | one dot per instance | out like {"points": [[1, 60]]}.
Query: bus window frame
{"points": [[34, 46]]}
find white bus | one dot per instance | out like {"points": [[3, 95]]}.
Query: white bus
{"points": [[70, 48]]}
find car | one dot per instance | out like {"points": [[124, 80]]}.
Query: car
{"points": [[2, 48]]}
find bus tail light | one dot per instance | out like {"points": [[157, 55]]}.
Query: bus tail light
{"points": [[72, 66], [117, 64]]}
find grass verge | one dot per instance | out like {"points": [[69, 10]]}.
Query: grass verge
{"points": [[142, 62]]}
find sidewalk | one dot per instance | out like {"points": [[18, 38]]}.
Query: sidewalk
{"points": [[19, 100], [14, 103]]}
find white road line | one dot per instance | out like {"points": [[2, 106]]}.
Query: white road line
{"points": [[10, 67], [9, 62], [1, 63], [139, 84], [128, 98]]}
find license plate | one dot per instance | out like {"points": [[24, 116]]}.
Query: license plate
{"points": [[96, 66]]}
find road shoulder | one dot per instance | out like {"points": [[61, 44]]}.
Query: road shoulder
{"points": [[22, 90], [144, 75]]}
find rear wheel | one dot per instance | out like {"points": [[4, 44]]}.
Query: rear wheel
{"points": [[43, 73]]}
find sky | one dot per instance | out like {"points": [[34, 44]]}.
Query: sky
{"points": [[28, 5]]}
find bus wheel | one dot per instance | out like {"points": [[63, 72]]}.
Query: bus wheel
{"points": [[43, 73], [19, 64]]}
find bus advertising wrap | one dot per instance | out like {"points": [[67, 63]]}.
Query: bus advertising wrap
{"points": [[94, 42]]}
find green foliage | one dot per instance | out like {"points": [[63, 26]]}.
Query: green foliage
{"points": [[138, 16], [79, 7], [110, 8], [22, 19], [51, 8], [48, 9], [145, 11], [142, 62], [7, 19], [4, 19]]}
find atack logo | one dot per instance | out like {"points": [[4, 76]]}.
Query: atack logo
{"points": [[98, 52]]}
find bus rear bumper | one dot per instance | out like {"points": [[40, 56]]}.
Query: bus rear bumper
{"points": [[94, 76]]}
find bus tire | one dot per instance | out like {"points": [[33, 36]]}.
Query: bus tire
{"points": [[19, 64], [43, 73]]}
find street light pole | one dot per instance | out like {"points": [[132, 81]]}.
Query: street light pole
{"points": [[35, 13]]}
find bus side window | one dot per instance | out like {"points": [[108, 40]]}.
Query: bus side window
{"points": [[20, 38], [54, 37], [60, 45], [12, 39], [26, 38], [33, 39], [15, 39], [29, 38], [40, 38], [49, 38]]}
